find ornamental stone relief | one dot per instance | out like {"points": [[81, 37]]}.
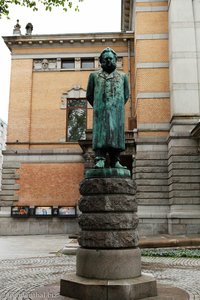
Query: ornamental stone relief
{"points": [[46, 64], [75, 93], [119, 62]]}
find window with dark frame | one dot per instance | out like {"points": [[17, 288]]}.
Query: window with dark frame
{"points": [[76, 116], [87, 63], [68, 63]]}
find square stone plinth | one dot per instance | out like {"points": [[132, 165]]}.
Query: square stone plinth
{"points": [[93, 289]]}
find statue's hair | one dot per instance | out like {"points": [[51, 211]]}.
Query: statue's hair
{"points": [[107, 50]]}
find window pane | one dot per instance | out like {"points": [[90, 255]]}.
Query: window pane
{"points": [[87, 63], [76, 124], [68, 64]]}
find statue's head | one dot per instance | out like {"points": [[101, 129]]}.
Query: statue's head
{"points": [[108, 60]]}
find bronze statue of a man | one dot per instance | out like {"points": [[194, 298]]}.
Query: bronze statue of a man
{"points": [[107, 92]]}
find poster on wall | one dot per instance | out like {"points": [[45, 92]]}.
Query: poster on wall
{"points": [[66, 211], [55, 211], [20, 211], [32, 211], [43, 211]]}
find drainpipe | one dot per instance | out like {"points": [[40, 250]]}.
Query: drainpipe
{"points": [[129, 76]]}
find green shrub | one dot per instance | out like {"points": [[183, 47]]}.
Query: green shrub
{"points": [[189, 253]]}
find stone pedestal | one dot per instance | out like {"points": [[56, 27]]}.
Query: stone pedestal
{"points": [[108, 261], [83, 288]]}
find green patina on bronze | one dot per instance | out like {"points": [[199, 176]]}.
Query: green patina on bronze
{"points": [[107, 173], [107, 92]]}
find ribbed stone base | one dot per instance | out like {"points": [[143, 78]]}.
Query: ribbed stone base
{"points": [[93, 289], [108, 219], [108, 263]]}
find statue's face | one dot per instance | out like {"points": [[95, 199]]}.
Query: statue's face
{"points": [[108, 62]]}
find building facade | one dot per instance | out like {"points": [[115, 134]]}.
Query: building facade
{"points": [[44, 163], [167, 93], [159, 48]]}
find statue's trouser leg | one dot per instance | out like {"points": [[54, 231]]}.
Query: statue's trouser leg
{"points": [[114, 155], [100, 158]]}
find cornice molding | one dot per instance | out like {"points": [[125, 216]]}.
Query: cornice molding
{"points": [[60, 40], [126, 15]]}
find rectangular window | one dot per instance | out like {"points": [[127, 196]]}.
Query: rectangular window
{"points": [[87, 63], [68, 63], [76, 119]]}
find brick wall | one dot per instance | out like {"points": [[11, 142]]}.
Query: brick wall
{"points": [[20, 101], [49, 184], [153, 115]]}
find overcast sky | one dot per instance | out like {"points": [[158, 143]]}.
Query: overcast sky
{"points": [[94, 16]]}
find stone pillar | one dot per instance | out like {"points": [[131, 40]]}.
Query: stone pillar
{"points": [[108, 261], [183, 156], [183, 59]]}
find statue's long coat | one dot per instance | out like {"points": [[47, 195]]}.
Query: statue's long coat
{"points": [[108, 93]]}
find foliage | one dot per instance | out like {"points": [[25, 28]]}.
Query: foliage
{"points": [[189, 253], [33, 4], [76, 124], [76, 119]]}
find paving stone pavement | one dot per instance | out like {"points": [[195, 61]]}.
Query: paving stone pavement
{"points": [[179, 272], [20, 277]]}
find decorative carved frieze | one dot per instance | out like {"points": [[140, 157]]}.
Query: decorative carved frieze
{"points": [[46, 64]]}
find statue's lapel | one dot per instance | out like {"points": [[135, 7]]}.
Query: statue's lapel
{"points": [[106, 76], [111, 75]]}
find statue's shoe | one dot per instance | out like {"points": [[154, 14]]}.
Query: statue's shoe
{"points": [[119, 166], [100, 164]]}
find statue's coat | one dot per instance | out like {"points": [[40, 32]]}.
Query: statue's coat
{"points": [[108, 93]]}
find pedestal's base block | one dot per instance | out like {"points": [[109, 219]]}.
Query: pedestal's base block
{"points": [[125, 289], [165, 292], [108, 264]]}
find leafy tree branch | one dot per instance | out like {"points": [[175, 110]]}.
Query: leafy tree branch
{"points": [[34, 4]]}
